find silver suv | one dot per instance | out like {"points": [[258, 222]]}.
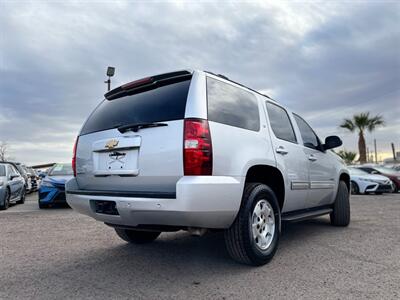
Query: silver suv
{"points": [[193, 150], [12, 185]]}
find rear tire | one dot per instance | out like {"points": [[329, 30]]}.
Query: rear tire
{"points": [[136, 236], [22, 197], [246, 240], [340, 216]]}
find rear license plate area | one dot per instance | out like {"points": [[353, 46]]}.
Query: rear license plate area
{"points": [[105, 207], [121, 159]]}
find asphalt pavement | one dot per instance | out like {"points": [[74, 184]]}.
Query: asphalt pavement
{"points": [[59, 254]]}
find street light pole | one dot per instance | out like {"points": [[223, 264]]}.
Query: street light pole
{"points": [[110, 73]]}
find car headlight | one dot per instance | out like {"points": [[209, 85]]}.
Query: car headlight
{"points": [[46, 183]]}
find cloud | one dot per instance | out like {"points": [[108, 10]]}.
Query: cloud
{"points": [[324, 61]]}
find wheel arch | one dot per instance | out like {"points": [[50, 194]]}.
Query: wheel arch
{"points": [[270, 176], [346, 178]]}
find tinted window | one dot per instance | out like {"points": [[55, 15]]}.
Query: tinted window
{"points": [[20, 170], [165, 103], [61, 169], [14, 170], [280, 123], [2, 170], [310, 139], [233, 106]]}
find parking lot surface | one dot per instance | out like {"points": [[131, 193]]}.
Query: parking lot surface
{"points": [[59, 254]]}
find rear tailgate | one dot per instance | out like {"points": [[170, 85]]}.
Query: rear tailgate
{"points": [[146, 161]]}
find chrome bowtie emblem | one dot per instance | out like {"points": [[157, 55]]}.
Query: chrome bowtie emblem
{"points": [[111, 144]]}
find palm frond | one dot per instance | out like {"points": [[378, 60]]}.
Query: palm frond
{"points": [[375, 121], [348, 124]]}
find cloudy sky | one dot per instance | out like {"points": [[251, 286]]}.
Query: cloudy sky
{"points": [[325, 61]]}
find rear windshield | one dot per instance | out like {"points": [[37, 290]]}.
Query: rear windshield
{"points": [[166, 103], [2, 170], [61, 169]]}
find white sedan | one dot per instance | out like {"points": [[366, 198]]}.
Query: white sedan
{"points": [[364, 183]]}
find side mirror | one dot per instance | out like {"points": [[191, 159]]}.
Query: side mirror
{"points": [[331, 142], [374, 172], [12, 176]]}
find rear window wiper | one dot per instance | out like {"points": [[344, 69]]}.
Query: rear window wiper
{"points": [[136, 126]]}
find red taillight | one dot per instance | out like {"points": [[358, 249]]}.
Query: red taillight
{"points": [[74, 157], [136, 83], [197, 149]]}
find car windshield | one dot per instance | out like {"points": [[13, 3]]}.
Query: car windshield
{"points": [[386, 170], [355, 171], [61, 169], [2, 170]]}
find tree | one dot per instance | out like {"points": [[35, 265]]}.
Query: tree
{"points": [[362, 122], [3, 151], [347, 156]]}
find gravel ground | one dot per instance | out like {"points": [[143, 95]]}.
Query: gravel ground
{"points": [[59, 254]]}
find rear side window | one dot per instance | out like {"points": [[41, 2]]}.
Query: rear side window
{"points": [[280, 123], [233, 106], [2, 170], [165, 103], [310, 139]]}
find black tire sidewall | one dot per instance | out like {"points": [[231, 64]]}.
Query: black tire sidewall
{"points": [[6, 202], [22, 198], [354, 185], [260, 192], [7, 199]]}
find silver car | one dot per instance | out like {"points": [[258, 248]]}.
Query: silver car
{"points": [[191, 150], [12, 186]]}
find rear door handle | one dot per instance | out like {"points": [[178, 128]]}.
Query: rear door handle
{"points": [[312, 157], [281, 150]]}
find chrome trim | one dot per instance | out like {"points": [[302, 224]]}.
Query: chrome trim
{"points": [[322, 185], [300, 185]]}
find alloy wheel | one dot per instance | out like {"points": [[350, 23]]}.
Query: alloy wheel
{"points": [[263, 224]]}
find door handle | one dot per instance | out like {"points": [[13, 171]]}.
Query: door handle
{"points": [[281, 150], [312, 157]]}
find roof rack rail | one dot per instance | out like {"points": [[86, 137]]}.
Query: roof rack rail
{"points": [[226, 78]]}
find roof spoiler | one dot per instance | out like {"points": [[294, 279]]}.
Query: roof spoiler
{"points": [[147, 83]]}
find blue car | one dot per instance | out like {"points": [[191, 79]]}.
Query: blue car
{"points": [[52, 189]]}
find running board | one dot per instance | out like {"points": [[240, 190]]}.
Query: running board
{"points": [[304, 214]]}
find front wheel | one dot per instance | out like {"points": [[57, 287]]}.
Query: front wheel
{"points": [[340, 216], [136, 236], [6, 202], [354, 188], [254, 235], [42, 205]]}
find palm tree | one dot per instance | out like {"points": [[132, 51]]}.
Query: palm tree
{"points": [[347, 156], [362, 122]]}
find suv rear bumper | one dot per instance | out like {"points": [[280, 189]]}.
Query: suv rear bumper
{"points": [[200, 201]]}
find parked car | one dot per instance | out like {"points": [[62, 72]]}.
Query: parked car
{"points": [[23, 173], [52, 188], [34, 179], [196, 151], [392, 174], [42, 174], [364, 183], [12, 186]]}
